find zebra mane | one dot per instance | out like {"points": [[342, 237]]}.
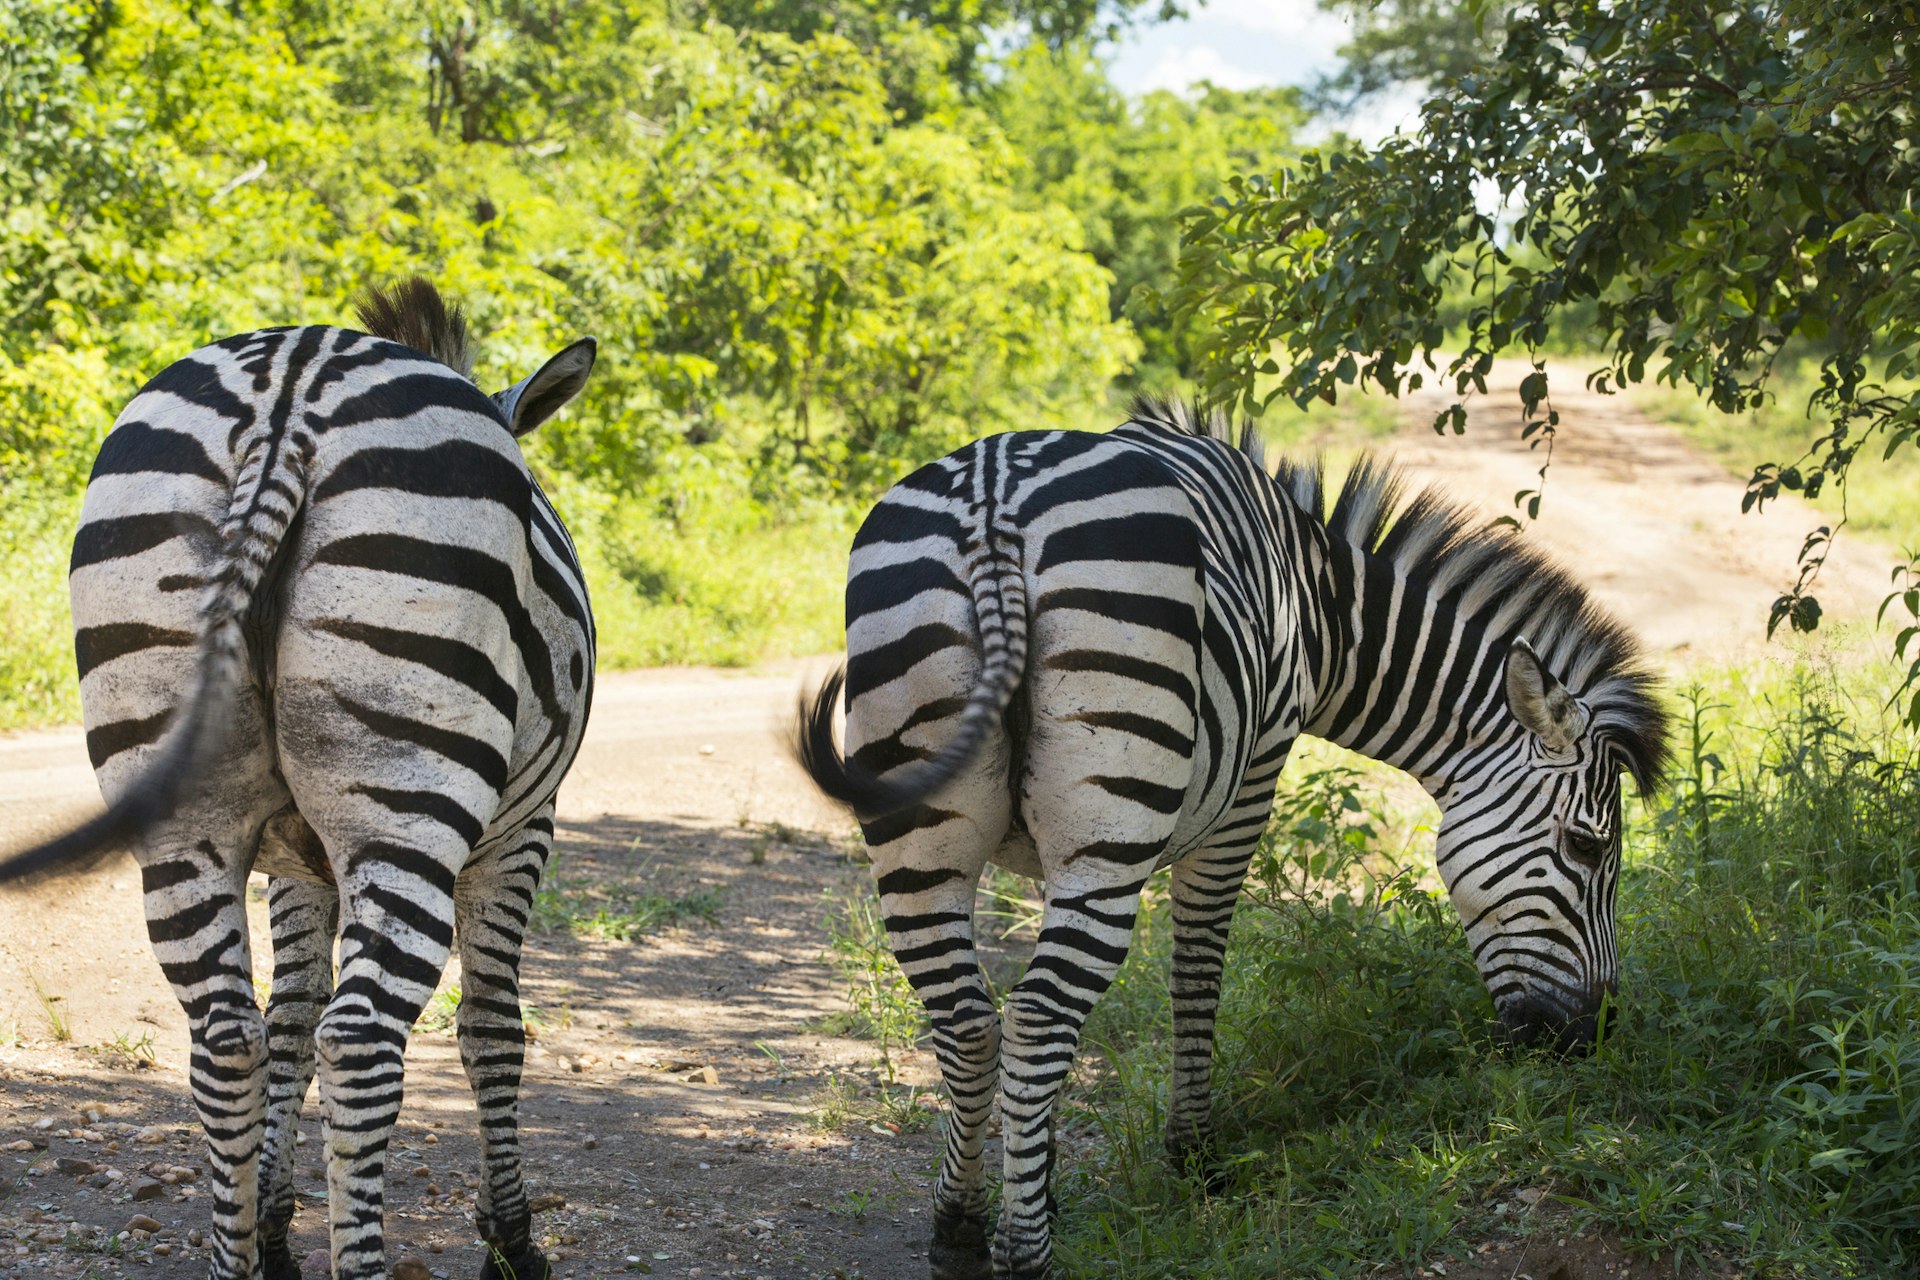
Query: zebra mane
{"points": [[1179, 415], [1490, 572], [413, 314]]}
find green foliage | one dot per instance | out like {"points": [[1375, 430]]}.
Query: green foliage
{"points": [[801, 290], [1713, 179], [1756, 1099], [1127, 167], [931, 46], [1428, 43], [738, 216], [37, 684]]}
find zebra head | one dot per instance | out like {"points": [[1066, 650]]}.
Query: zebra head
{"points": [[1529, 848]]}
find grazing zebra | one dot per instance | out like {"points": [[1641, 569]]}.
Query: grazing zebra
{"points": [[1086, 657], [329, 628]]}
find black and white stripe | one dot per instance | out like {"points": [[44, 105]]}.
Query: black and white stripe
{"points": [[1086, 657], [329, 628]]}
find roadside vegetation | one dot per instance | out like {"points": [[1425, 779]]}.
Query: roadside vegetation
{"points": [[1754, 1108]]}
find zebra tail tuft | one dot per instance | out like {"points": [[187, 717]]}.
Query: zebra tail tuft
{"points": [[817, 750], [253, 531], [1000, 606]]}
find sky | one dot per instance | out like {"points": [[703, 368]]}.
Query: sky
{"points": [[1246, 44], [1237, 44]]}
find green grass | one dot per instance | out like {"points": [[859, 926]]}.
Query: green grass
{"points": [[1879, 498], [612, 909], [1757, 1100], [37, 684], [712, 576], [1756, 1105]]}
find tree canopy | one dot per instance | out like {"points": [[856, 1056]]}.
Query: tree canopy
{"points": [[1715, 178], [810, 237]]}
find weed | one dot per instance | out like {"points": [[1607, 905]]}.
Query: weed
{"points": [[442, 1013], [645, 913], [883, 1008], [854, 1203], [777, 833], [56, 1020], [135, 1048], [590, 911]]}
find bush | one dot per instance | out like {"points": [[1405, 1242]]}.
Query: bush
{"points": [[1757, 1098]]}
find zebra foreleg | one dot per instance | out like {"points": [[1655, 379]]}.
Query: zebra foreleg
{"points": [[493, 901], [304, 916], [1206, 885], [1205, 890], [197, 921], [1084, 937], [398, 932]]}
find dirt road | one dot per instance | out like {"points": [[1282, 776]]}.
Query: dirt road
{"points": [[674, 1099]]}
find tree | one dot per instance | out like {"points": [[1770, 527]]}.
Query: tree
{"points": [[929, 48], [1716, 178], [1126, 167], [1431, 44]]}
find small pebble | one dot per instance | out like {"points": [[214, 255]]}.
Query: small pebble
{"points": [[141, 1222], [148, 1189]]}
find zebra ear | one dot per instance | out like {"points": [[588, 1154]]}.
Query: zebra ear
{"points": [[1539, 701], [531, 401]]}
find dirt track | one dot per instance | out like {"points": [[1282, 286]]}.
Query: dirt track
{"points": [[676, 792]]}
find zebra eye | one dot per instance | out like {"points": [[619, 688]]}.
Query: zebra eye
{"points": [[1586, 847]]}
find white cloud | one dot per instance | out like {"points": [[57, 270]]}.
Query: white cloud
{"points": [[1180, 67], [1237, 44], [1299, 21]]}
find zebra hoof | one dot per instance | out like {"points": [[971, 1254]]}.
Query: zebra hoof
{"points": [[528, 1264], [278, 1262], [960, 1250]]}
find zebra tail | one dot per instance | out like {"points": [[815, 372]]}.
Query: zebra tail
{"points": [[1000, 608], [269, 493]]}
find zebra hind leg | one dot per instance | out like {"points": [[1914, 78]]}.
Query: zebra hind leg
{"points": [[303, 916], [1206, 885], [929, 918], [1084, 936], [397, 933], [1206, 888], [493, 900], [197, 922]]}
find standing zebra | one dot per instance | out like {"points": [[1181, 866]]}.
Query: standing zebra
{"points": [[329, 628], [1086, 657]]}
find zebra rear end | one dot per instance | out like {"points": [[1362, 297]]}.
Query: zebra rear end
{"points": [[329, 628]]}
